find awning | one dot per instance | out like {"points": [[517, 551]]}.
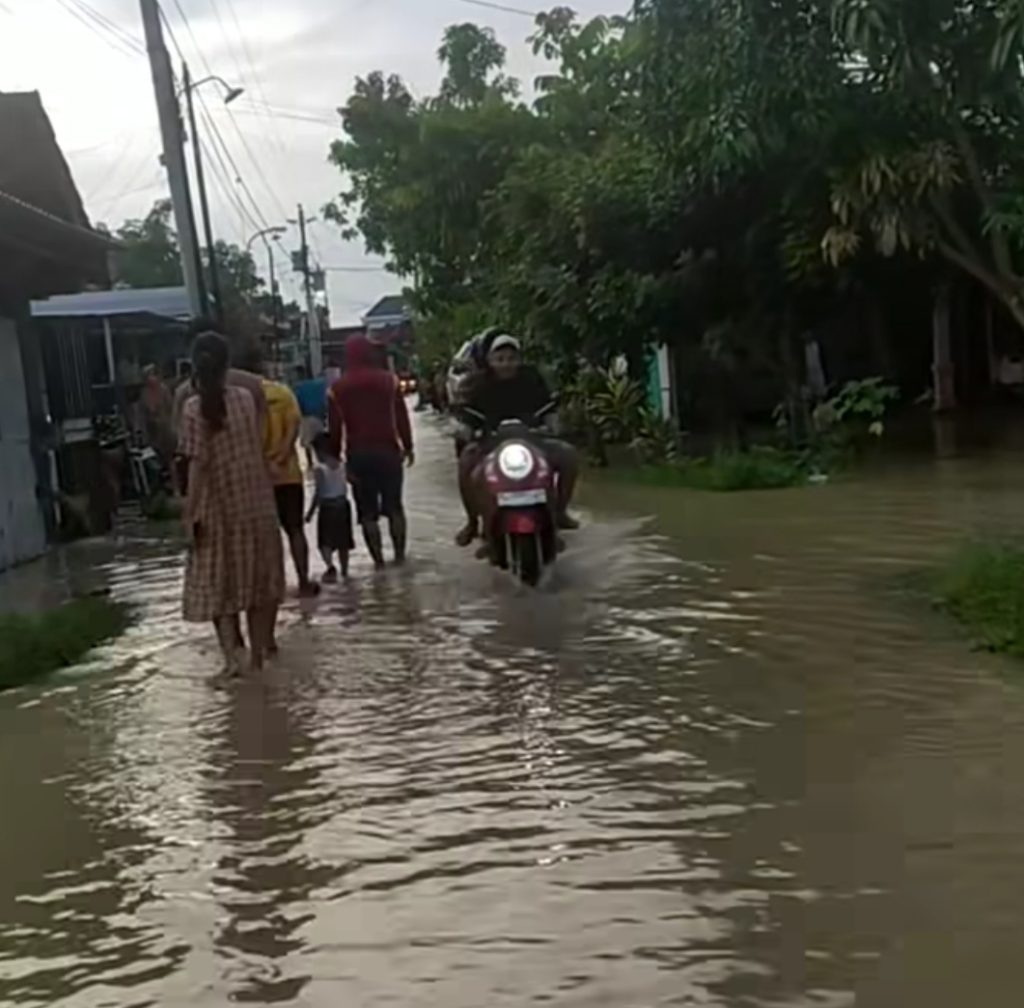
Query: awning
{"points": [[169, 303]]}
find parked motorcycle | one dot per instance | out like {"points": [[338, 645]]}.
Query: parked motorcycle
{"points": [[518, 493]]}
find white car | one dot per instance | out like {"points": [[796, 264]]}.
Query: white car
{"points": [[460, 371]]}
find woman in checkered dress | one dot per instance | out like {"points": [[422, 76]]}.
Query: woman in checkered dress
{"points": [[235, 561]]}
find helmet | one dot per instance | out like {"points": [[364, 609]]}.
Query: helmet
{"points": [[481, 344]]}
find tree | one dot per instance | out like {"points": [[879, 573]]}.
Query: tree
{"points": [[149, 256], [671, 183], [938, 167]]}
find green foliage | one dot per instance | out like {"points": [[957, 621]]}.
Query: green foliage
{"points": [[656, 439], [713, 175], [859, 406], [761, 468], [935, 165], [617, 407], [149, 257], [983, 588], [33, 646]]}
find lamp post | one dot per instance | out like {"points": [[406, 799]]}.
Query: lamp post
{"points": [[230, 94], [276, 231]]}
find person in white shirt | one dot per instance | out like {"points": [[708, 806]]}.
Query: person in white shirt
{"points": [[330, 501]]}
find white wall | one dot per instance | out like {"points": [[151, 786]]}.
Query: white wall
{"points": [[22, 535]]}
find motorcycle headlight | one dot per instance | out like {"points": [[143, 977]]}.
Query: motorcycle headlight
{"points": [[515, 461]]}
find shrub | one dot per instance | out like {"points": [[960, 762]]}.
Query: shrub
{"points": [[33, 646], [757, 469], [982, 587]]}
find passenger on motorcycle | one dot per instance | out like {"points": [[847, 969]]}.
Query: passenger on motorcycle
{"points": [[509, 389]]}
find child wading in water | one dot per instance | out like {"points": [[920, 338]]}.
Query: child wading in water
{"points": [[334, 527]]}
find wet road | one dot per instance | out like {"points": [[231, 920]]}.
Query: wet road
{"points": [[725, 761]]}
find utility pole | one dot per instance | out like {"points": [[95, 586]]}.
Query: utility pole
{"points": [[174, 154], [204, 203], [313, 318]]}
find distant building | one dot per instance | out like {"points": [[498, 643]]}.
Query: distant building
{"points": [[389, 323], [334, 343], [46, 246]]}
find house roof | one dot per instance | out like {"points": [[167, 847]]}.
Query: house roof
{"points": [[387, 309], [42, 219], [32, 166], [159, 302]]}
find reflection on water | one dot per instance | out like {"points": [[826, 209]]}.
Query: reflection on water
{"points": [[720, 761]]}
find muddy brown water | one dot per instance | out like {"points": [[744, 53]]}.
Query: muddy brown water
{"points": [[724, 760]]}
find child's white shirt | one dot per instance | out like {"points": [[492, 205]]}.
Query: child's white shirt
{"points": [[331, 484]]}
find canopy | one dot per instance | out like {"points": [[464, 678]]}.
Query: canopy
{"points": [[169, 303]]}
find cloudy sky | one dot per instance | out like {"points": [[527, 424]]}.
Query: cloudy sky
{"points": [[297, 60]]}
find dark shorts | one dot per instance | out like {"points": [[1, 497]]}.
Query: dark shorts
{"points": [[290, 507], [376, 479], [334, 527]]}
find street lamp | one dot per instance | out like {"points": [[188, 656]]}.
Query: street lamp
{"points": [[230, 94], [276, 232]]}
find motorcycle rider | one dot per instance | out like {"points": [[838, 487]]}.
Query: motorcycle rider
{"points": [[508, 389]]}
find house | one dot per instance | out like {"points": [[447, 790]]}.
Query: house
{"points": [[46, 246], [389, 323], [334, 341]]}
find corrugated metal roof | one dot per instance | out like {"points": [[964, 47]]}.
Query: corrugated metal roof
{"points": [[162, 302], [389, 307]]}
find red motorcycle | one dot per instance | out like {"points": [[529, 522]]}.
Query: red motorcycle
{"points": [[518, 493]]}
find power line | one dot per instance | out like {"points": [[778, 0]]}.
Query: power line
{"points": [[355, 269], [297, 116], [245, 143], [97, 28], [502, 7], [132, 41], [221, 150], [254, 76], [229, 167]]}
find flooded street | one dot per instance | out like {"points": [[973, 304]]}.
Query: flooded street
{"points": [[725, 760]]}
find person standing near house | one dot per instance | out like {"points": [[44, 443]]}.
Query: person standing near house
{"points": [[156, 406], [235, 562], [369, 422], [280, 439], [311, 394]]}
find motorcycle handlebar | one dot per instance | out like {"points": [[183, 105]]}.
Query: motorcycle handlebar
{"points": [[478, 421]]}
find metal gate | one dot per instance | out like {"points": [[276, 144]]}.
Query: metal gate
{"points": [[22, 534]]}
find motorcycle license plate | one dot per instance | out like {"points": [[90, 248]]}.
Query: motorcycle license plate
{"points": [[522, 498]]}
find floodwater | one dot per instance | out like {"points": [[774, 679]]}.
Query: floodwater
{"points": [[724, 760]]}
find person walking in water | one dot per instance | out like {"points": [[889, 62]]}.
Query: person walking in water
{"points": [[369, 424], [280, 438], [235, 560], [311, 394], [330, 503]]}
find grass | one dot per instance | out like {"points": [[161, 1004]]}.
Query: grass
{"points": [[982, 587], [757, 469], [34, 646]]}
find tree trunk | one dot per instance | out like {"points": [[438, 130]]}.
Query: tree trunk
{"points": [[943, 369], [878, 334]]}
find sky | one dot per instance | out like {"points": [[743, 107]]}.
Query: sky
{"points": [[296, 59]]}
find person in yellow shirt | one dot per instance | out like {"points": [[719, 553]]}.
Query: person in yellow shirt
{"points": [[281, 427]]}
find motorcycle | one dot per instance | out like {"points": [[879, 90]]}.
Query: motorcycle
{"points": [[518, 494]]}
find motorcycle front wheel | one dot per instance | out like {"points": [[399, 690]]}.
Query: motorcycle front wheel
{"points": [[525, 557]]}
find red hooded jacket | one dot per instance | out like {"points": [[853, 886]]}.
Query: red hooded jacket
{"points": [[366, 409]]}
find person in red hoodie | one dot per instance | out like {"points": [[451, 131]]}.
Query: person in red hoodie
{"points": [[369, 427]]}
